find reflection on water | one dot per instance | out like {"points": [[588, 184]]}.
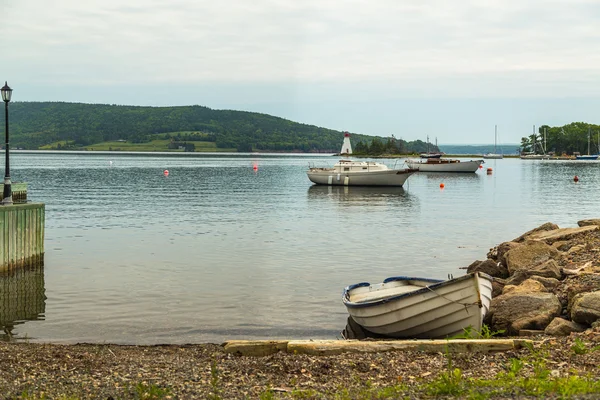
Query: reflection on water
{"points": [[22, 298], [358, 195], [451, 177]]}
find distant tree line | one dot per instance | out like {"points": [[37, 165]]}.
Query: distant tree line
{"points": [[567, 139], [75, 125]]}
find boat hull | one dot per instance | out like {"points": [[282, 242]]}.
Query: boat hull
{"points": [[391, 177], [402, 307], [493, 156], [587, 157], [461, 166]]}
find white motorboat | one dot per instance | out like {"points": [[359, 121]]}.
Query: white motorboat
{"points": [[359, 173], [405, 307], [444, 165]]}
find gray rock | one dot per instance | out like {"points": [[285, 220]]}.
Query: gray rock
{"points": [[528, 255], [562, 245], [490, 267], [518, 311], [586, 222], [563, 327], [549, 283], [548, 226], [549, 269], [586, 308], [561, 234], [497, 288], [527, 286]]}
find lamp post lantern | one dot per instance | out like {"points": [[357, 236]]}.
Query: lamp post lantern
{"points": [[7, 196]]}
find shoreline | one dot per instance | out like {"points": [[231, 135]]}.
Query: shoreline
{"points": [[201, 371]]}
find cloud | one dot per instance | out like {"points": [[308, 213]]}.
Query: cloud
{"points": [[310, 41]]}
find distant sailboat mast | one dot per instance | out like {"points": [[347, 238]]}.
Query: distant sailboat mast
{"points": [[495, 138]]}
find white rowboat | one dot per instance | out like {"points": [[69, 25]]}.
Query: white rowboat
{"points": [[405, 307]]}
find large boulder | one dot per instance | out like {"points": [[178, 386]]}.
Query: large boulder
{"points": [[586, 222], [549, 269], [527, 286], [563, 327], [490, 267], [513, 312], [548, 226], [586, 308], [575, 285], [549, 283], [561, 234], [528, 255], [498, 253]]}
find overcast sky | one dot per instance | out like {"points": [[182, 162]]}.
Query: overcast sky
{"points": [[412, 68]]}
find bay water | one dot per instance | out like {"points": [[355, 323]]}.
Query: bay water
{"points": [[244, 246]]}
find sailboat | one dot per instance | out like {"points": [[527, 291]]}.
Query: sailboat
{"points": [[430, 154], [534, 155], [588, 156], [494, 154]]}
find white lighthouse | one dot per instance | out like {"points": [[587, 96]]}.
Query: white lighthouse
{"points": [[346, 147]]}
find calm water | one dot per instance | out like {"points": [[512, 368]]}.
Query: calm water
{"points": [[218, 251]]}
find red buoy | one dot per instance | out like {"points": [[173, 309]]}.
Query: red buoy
{"points": [[489, 171], [441, 185], [166, 172], [480, 166], [576, 178]]}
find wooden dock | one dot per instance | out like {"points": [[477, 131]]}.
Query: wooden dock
{"points": [[21, 235]]}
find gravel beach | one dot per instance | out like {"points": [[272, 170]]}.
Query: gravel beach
{"points": [[203, 371]]}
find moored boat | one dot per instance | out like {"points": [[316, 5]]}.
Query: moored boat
{"points": [[444, 165], [422, 308], [359, 173], [494, 155]]}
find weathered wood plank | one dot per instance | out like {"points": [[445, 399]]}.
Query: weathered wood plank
{"points": [[333, 347], [255, 347]]}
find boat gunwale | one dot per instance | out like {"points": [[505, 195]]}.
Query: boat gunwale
{"points": [[437, 283]]}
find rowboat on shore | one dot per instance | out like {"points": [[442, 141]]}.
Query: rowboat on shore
{"points": [[420, 308]]}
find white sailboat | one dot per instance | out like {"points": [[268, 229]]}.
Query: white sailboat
{"points": [[358, 173], [588, 156], [495, 154]]}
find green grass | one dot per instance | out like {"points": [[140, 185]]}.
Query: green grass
{"points": [[154, 145]]}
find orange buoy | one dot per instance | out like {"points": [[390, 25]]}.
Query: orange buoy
{"points": [[441, 185], [489, 171], [166, 172], [576, 178]]}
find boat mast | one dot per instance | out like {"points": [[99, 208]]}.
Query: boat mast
{"points": [[495, 138], [588, 141]]}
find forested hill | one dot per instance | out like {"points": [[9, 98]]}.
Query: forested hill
{"points": [[78, 125]]}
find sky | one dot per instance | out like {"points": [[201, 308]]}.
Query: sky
{"points": [[451, 70]]}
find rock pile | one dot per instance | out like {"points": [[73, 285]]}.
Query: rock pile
{"points": [[546, 281]]}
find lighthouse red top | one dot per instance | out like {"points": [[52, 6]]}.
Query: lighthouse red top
{"points": [[346, 134]]}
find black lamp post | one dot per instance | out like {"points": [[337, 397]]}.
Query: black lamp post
{"points": [[7, 197]]}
